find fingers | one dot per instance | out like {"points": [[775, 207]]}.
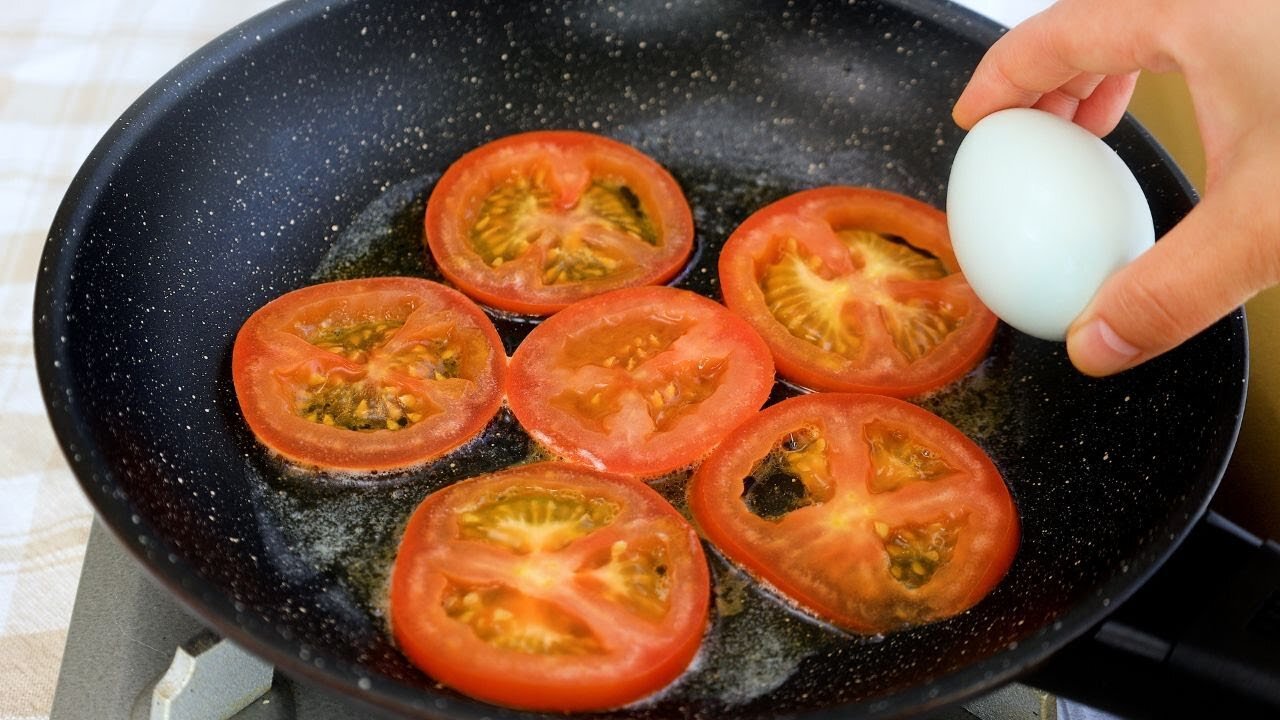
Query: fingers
{"points": [[1063, 55], [1205, 267], [1094, 102], [1100, 112], [1079, 60]]}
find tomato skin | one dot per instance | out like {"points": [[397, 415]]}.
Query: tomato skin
{"points": [[272, 355], [834, 555], [702, 335], [637, 654], [813, 218], [571, 160]]}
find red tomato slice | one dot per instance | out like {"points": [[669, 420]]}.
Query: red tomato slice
{"points": [[641, 381], [371, 374], [870, 512], [550, 587], [533, 222], [856, 290]]}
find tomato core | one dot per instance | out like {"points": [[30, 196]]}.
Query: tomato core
{"points": [[812, 300], [917, 550], [640, 380], [793, 475], [531, 519], [533, 222], [521, 214], [855, 289], [871, 512], [507, 619], [550, 587], [368, 374]]}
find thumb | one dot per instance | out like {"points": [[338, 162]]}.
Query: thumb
{"points": [[1209, 264]]}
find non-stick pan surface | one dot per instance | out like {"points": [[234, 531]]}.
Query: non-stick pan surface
{"points": [[301, 146]]}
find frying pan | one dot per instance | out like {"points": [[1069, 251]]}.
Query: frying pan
{"points": [[300, 147]]}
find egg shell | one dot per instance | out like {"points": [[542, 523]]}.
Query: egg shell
{"points": [[1041, 212]]}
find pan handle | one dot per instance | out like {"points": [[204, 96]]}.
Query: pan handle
{"points": [[1200, 638]]}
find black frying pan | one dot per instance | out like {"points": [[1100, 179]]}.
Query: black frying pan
{"points": [[301, 146]]}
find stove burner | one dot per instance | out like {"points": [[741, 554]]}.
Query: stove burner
{"points": [[133, 652]]}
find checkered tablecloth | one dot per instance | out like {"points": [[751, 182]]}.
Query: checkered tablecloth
{"points": [[68, 69]]}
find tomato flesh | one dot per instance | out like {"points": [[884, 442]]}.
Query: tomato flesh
{"points": [[533, 222], [368, 374], [642, 381], [856, 290], [520, 215], [869, 512], [550, 587]]}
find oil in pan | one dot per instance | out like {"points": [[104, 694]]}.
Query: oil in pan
{"points": [[348, 527]]}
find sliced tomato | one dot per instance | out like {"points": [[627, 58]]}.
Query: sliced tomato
{"points": [[870, 512], [641, 381], [550, 587], [533, 222], [856, 290], [371, 374]]}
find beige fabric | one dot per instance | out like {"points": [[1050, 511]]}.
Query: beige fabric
{"points": [[68, 69]]}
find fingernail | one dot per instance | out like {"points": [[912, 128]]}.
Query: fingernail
{"points": [[1097, 350]]}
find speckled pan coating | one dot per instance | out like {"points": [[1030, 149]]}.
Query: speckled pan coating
{"points": [[300, 146]]}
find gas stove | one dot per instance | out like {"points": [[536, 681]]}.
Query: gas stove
{"points": [[133, 652]]}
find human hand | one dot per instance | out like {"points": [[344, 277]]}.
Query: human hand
{"points": [[1079, 59]]}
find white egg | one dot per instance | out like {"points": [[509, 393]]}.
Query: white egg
{"points": [[1041, 212]]}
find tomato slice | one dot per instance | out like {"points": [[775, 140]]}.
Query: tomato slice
{"points": [[373, 374], [856, 290], [641, 381], [870, 512], [550, 587], [536, 221]]}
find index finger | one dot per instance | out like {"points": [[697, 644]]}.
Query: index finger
{"points": [[1050, 49]]}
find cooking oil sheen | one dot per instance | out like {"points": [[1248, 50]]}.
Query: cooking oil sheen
{"points": [[348, 526]]}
